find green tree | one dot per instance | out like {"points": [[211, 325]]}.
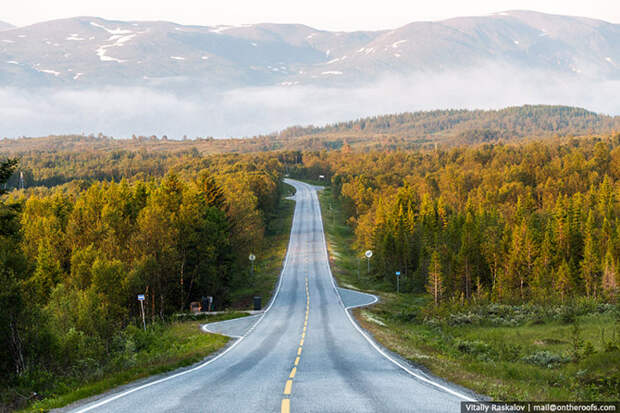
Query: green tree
{"points": [[591, 260], [562, 281], [435, 278], [609, 281]]}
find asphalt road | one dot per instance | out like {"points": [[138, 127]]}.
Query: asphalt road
{"points": [[303, 354]]}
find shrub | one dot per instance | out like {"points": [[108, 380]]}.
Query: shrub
{"points": [[473, 347], [545, 358]]}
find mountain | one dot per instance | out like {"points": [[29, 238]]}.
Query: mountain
{"points": [[86, 51], [5, 26]]}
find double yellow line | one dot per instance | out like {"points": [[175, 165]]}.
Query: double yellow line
{"points": [[288, 387]]}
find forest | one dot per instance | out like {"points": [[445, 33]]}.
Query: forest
{"points": [[409, 131], [84, 229], [536, 222], [76, 250]]}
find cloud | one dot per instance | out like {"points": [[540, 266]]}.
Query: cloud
{"points": [[122, 112]]}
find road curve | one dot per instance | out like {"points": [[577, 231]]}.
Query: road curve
{"points": [[303, 354]]}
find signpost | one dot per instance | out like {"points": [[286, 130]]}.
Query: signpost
{"points": [[368, 254], [398, 282], [252, 258], [141, 299]]}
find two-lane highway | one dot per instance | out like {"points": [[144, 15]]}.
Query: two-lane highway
{"points": [[303, 354]]}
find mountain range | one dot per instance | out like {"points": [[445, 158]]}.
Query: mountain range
{"points": [[83, 52], [5, 26]]}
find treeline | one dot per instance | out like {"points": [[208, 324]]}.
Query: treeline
{"points": [[504, 223], [473, 126], [416, 130], [74, 257]]}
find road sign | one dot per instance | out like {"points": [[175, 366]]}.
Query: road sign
{"points": [[252, 257], [398, 273], [368, 254], [141, 299]]}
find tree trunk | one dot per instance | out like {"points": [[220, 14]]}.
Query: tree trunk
{"points": [[17, 350]]}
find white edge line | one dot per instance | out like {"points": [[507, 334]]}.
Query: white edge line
{"points": [[205, 327], [375, 299], [372, 343], [206, 363]]}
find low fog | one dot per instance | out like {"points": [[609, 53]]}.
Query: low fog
{"points": [[121, 112]]}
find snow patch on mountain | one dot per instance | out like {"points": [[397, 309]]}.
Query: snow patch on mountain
{"points": [[118, 30], [119, 40], [49, 72]]}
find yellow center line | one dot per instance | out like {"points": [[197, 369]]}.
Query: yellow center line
{"points": [[288, 387]]}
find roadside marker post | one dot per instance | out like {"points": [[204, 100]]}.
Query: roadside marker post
{"points": [[398, 282], [141, 299], [368, 254], [252, 258]]}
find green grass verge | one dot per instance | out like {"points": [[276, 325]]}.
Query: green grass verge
{"points": [[165, 348], [528, 361]]}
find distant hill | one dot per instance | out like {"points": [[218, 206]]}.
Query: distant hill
{"points": [[469, 126], [405, 130], [5, 26], [84, 51]]}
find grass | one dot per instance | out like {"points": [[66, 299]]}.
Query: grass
{"points": [[529, 359], [169, 346]]}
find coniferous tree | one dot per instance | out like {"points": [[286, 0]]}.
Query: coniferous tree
{"points": [[590, 262], [609, 281], [435, 278]]}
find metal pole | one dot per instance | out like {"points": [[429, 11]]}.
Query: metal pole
{"points": [[368, 271], [397, 284], [142, 308], [252, 273]]}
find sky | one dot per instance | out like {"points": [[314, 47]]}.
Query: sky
{"points": [[345, 15]]}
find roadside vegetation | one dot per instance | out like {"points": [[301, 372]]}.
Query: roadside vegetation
{"points": [[162, 347], [75, 256], [514, 346]]}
